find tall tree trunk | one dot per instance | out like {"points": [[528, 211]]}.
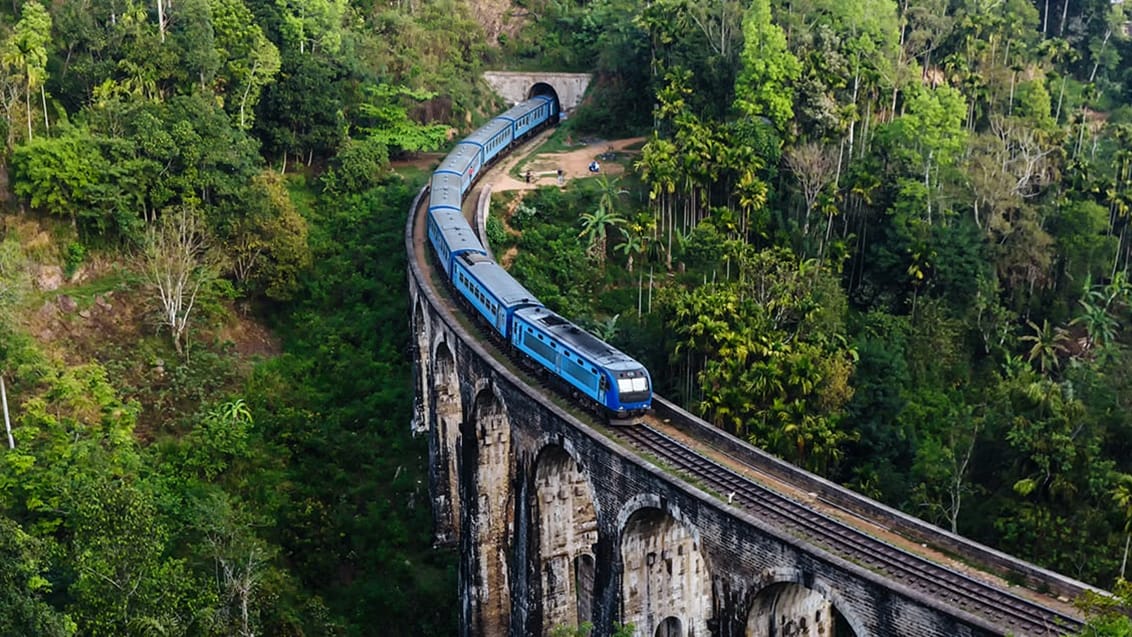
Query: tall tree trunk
{"points": [[27, 103], [161, 19], [640, 291], [1124, 560], [43, 98], [1060, 96], [1097, 64], [7, 420]]}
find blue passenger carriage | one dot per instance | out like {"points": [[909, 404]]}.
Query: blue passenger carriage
{"points": [[451, 236], [445, 193], [528, 115], [597, 370], [490, 290], [491, 138], [464, 161]]}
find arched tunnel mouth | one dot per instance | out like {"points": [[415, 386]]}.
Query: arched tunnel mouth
{"points": [[542, 88]]}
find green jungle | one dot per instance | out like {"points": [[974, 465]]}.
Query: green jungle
{"points": [[886, 241]]}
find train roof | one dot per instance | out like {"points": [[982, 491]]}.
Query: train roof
{"points": [[522, 108], [498, 281], [454, 228], [445, 181], [449, 218], [485, 133], [445, 192], [580, 340], [458, 161]]}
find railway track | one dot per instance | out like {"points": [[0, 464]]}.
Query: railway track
{"points": [[1017, 615]]}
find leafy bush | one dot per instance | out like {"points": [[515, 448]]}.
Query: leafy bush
{"points": [[357, 167], [75, 254], [496, 234]]}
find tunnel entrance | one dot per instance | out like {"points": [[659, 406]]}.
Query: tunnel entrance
{"points": [[542, 88]]}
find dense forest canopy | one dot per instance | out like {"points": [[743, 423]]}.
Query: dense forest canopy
{"points": [[885, 240]]}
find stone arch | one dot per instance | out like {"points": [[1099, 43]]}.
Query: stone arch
{"points": [[664, 574], [791, 603], [544, 88], [449, 419], [566, 528], [485, 456], [421, 331], [670, 627]]}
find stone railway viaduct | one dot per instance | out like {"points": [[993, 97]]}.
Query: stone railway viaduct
{"points": [[557, 525]]}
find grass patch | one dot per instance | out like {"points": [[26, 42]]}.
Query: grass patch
{"points": [[117, 280], [413, 174], [560, 141]]}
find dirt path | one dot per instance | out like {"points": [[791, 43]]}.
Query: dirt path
{"points": [[544, 166]]}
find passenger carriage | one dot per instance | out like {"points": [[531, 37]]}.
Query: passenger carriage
{"points": [[491, 291], [451, 236], [531, 114], [465, 161]]}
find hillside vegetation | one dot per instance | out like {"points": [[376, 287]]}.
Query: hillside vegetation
{"points": [[885, 241]]}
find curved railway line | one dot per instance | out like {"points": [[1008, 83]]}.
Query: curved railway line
{"points": [[971, 595], [987, 602]]}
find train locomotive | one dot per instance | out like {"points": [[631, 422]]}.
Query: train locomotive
{"points": [[594, 371]]}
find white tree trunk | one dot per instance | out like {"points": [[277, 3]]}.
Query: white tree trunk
{"points": [[162, 19], [7, 420]]}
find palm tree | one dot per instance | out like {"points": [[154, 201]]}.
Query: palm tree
{"points": [[1099, 325], [1048, 345], [609, 193], [632, 245], [26, 52], [608, 329], [593, 229]]}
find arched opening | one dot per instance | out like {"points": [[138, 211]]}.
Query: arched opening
{"points": [[787, 609], [563, 509], [449, 415], [670, 627], [542, 88], [664, 574], [584, 587]]}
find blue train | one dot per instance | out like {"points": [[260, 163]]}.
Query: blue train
{"points": [[598, 373]]}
